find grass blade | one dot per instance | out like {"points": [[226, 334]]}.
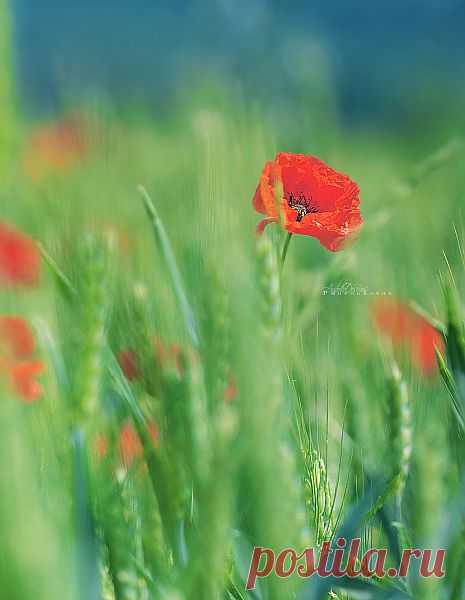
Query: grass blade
{"points": [[166, 250], [63, 283]]}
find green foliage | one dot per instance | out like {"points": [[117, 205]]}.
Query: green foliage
{"points": [[8, 124], [269, 396]]}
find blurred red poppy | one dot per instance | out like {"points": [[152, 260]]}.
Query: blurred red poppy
{"points": [[310, 198], [130, 445], [55, 148], [129, 363], [17, 346], [19, 258], [393, 319], [16, 339], [23, 376], [169, 357], [403, 326]]}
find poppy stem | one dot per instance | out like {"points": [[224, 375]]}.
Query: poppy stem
{"points": [[285, 248]]}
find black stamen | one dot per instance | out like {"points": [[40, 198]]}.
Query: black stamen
{"points": [[302, 205]]}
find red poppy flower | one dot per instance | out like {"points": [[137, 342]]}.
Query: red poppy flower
{"points": [[314, 200], [16, 339], [55, 148], [129, 363], [130, 444], [168, 357], [404, 327], [393, 319], [17, 344], [23, 376], [19, 258]]}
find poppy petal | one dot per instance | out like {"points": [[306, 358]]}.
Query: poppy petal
{"points": [[257, 201], [399, 323], [23, 379], [263, 223], [19, 258], [16, 338]]}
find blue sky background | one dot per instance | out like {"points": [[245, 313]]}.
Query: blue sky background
{"points": [[378, 57]]}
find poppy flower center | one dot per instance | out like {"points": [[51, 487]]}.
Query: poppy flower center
{"points": [[302, 204]]}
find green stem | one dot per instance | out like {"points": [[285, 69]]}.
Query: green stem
{"points": [[285, 248]]}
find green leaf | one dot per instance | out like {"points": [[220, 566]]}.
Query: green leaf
{"points": [[166, 251], [455, 350], [449, 382], [63, 283]]}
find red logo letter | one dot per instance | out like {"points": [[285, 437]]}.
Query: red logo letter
{"points": [[353, 555], [405, 562], [254, 570], [309, 569], [280, 572], [323, 562], [438, 568], [379, 566]]}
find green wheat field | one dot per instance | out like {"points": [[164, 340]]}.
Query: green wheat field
{"points": [[264, 409]]}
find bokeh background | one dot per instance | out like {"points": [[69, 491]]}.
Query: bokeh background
{"points": [[389, 63], [190, 99]]}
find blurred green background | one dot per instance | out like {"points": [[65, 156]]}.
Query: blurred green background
{"points": [[190, 99]]}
